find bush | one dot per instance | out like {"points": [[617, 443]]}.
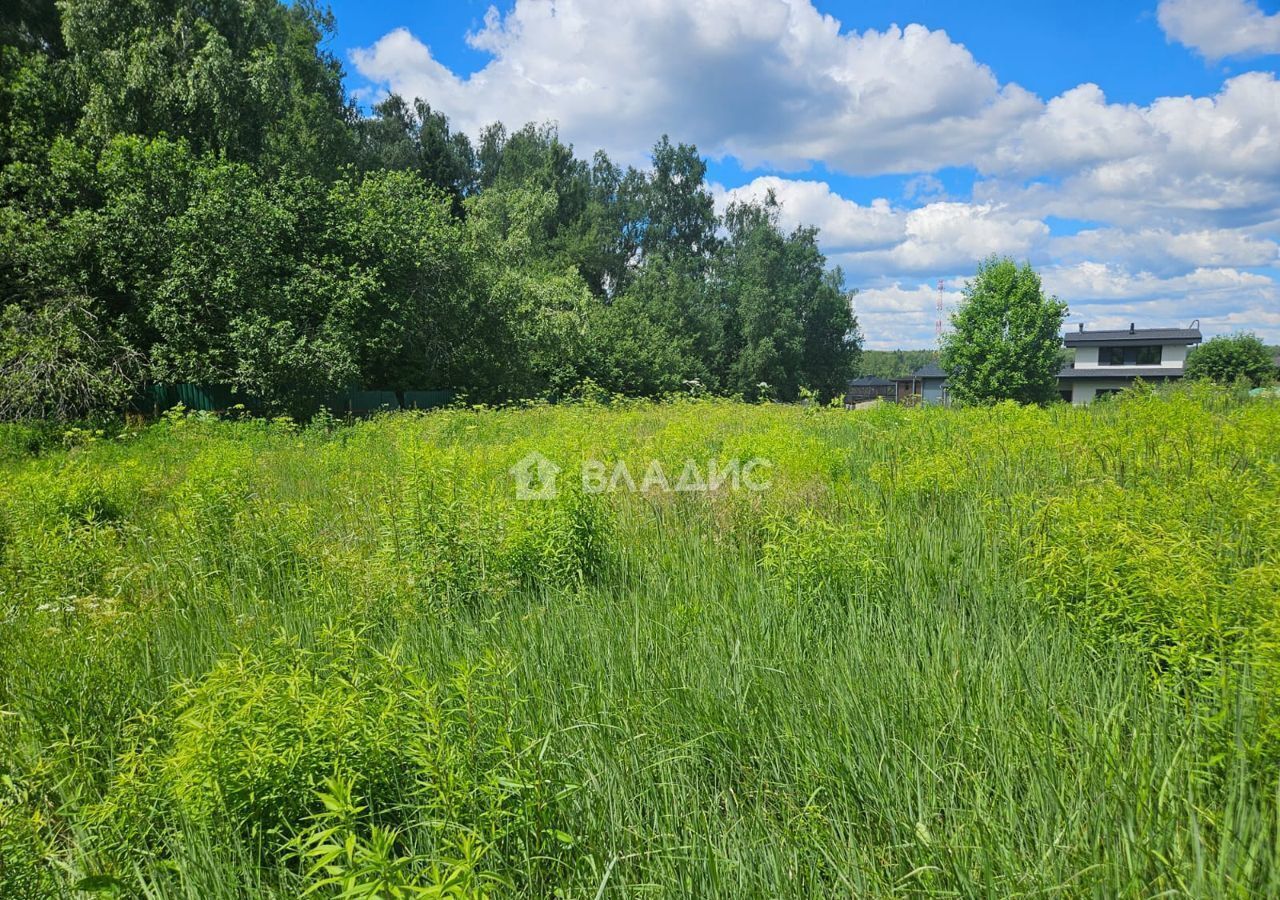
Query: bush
{"points": [[268, 742], [457, 546], [21, 440], [1227, 359], [59, 361]]}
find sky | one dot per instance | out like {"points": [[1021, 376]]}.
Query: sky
{"points": [[1129, 151]]}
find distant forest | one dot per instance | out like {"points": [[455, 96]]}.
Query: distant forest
{"points": [[894, 363], [187, 194]]}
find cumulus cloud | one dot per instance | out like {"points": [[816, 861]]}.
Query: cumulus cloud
{"points": [[1181, 160], [1096, 282], [900, 314], [1220, 28], [937, 238], [1078, 128], [952, 236], [1222, 299], [1109, 276], [771, 82], [896, 317], [845, 226], [1168, 252], [776, 83]]}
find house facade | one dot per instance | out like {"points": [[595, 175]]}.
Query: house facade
{"points": [[1107, 362], [927, 384]]}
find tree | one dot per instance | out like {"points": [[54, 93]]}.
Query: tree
{"points": [[679, 210], [1228, 358], [668, 296], [399, 137], [531, 318], [245, 80], [60, 361], [31, 25], [249, 298], [392, 238], [786, 320], [1005, 337], [631, 353], [894, 363], [188, 195]]}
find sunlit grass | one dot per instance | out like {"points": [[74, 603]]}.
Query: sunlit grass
{"points": [[983, 652]]}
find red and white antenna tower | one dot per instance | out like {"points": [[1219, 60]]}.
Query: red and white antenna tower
{"points": [[937, 325]]}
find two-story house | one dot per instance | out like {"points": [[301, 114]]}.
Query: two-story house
{"points": [[1107, 362]]}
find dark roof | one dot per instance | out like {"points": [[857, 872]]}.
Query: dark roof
{"points": [[871, 381], [929, 371], [1123, 372], [1136, 336]]}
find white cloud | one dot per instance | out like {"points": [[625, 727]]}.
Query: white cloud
{"points": [[1182, 161], [951, 236], [1167, 252], [1222, 299], [1220, 28], [878, 239], [767, 81], [774, 82], [1109, 276], [1075, 129], [845, 226], [894, 317], [1096, 282], [924, 187], [900, 315]]}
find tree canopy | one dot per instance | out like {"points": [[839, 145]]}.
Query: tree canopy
{"points": [[1230, 358], [188, 195], [1005, 337]]}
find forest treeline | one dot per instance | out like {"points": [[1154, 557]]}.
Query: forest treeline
{"points": [[188, 194]]}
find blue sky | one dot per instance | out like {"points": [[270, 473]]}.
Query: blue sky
{"points": [[1130, 151]]}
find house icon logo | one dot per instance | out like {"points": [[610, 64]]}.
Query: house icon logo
{"points": [[535, 477]]}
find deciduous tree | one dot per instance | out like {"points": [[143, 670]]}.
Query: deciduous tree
{"points": [[1228, 358], [1004, 338]]}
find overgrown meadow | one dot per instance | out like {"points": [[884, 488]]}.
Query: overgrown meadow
{"points": [[1004, 651]]}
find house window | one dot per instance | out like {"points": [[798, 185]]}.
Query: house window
{"points": [[1129, 356]]}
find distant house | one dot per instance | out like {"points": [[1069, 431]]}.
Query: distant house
{"points": [[1107, 362], [869, 387], [927, 384]]}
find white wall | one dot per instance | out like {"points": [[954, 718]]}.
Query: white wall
{"points": [[1086, 357], [1174, 355]]}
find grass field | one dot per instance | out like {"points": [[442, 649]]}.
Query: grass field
{"points": [[1003, 651]]}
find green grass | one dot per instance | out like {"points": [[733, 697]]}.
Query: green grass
{"points": [[974, 652]]}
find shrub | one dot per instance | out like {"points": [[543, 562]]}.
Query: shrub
{"points": [[1229, 358], [562, 544], [264, 742], [63, 361], [458, 545]]}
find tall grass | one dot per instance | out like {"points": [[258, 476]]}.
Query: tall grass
{"points": [[970, 652]]}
